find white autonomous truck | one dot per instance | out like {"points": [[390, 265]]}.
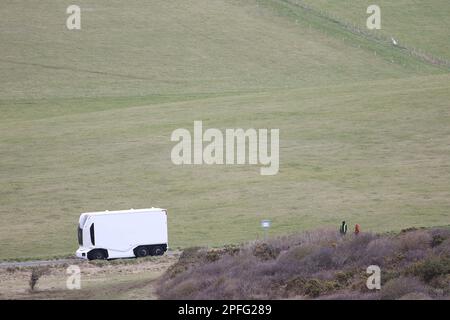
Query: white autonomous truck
{"points": [[122, 234]]}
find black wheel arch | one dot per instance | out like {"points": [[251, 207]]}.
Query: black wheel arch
{"points": [[91, 253]]}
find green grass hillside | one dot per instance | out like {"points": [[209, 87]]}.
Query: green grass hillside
{"points": [[423, 25], [87, 117], [176, 47]]}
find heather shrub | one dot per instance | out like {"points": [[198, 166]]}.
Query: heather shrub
{"points": [[212, 256], [344, 278], [291, 261], [415, 296], [415, 255], [310, 287], [185, 289], [316, 287], [312, 265], [295, 286], [443, 248], [353, 251], [298, 253], [437, 240], [359, 284], [415, 240], [188, 258], [442, 283], [378, 250], [350, 295], [411, 229], [324, 275], [319, 259], [399, 287], [389, 275], [429, 269], [265, 251], [439, 236], [321, 237], [231, 250], [318, 237]]}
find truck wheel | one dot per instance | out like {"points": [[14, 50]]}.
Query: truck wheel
{"points": [[97, 255], [157, 251], [141, 252]]}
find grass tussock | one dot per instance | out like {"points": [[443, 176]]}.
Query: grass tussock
{"points": [[36, 274], [415, 264]]}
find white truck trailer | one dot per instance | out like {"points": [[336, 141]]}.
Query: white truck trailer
{"points": [[122, 234]]}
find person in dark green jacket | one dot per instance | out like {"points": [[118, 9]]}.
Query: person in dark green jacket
{"points": [[343, 229]]}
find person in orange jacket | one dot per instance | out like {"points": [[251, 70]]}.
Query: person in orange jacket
{"points": [[357, 229]]}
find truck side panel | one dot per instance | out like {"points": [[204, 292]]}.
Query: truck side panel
{"points": [[122, 232]]}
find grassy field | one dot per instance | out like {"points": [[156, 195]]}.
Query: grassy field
{"points": [[175, 47], [422, 25], [87, 117]]}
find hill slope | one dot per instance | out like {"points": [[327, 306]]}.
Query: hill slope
{"points": [[163, 47], [87, 117], [414, 265], [423, 25], [375, 153]]}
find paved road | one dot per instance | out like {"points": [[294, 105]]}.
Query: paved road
{"points": [[57, 262]]}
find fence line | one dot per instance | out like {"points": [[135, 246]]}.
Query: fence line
{"points": [[379, 38]]}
